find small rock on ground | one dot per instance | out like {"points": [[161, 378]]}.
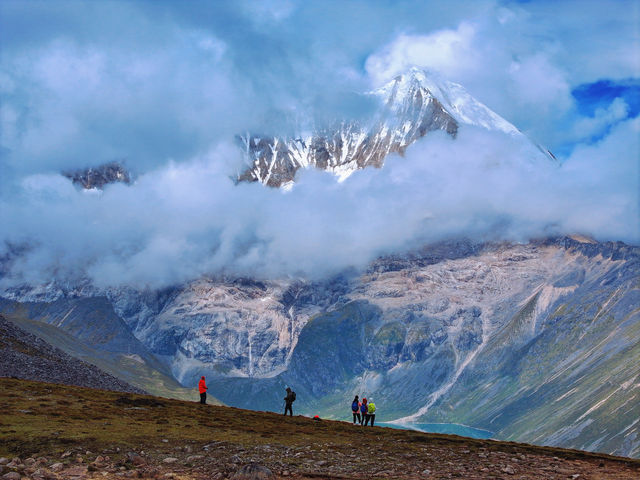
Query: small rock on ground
{"points": [[253, 471]]}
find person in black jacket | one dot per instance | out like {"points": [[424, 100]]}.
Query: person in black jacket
{"points": [[355, 409], [288, 401]]}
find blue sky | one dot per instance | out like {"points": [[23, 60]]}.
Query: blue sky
{"points": [[600, 94], [595, 97], [165, 86]]}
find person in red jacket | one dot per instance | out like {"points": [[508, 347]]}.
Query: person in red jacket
{"points": [[202, 386]]}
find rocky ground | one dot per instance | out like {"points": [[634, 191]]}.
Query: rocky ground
{"points": [[51, 432], [23, 355]]}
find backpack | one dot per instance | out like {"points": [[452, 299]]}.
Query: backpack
{"points": [[354, 406], [363, 408], [293, 396]]}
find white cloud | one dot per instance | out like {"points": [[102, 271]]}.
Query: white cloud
{"points": [[602, 182], [450, 52], [538, 85], [84, 105], [587, 127], [168, 92]]}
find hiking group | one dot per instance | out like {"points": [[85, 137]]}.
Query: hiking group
{"points": [[363, 412]]}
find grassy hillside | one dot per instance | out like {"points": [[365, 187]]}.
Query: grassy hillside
{"points": [[101, 434]]}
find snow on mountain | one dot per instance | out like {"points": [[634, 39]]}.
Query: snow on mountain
{"points": [[456, 101], [411, 105]]}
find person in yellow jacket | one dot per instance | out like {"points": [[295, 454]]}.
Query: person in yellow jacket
{"points": [[371, 412]]}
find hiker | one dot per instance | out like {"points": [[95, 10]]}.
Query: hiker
{"points": [[355, 409], [363, 411], [288, 401], [202, 386], [371, 411]]}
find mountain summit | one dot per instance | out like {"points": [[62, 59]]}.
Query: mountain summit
{"points": [[411, 105]]}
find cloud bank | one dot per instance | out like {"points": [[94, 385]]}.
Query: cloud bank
{"points": [[169, 91]]}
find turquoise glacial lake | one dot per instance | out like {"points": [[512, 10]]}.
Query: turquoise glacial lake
{"points": [[448, 428]]}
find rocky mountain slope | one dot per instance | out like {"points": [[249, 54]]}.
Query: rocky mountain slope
{"points": [[27, 356], [571, 373], [410, 106], [64, 433], [536, 342], [89, 330]]}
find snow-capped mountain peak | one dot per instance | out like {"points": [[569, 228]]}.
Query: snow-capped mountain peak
{"points": [[453, 97], [411, 105]]}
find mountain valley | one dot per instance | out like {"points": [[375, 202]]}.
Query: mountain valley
{"points": [[534, 342]]}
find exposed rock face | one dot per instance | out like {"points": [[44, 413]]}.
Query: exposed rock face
{"points": [[88, 328], [411, 106], [238, 327], [565, 368], [28, 357], [98, 177]]}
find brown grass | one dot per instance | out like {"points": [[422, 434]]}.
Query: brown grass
{"points": [[48, 419]]}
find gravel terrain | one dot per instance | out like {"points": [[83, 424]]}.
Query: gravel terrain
{"points": [[25, 356]]}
